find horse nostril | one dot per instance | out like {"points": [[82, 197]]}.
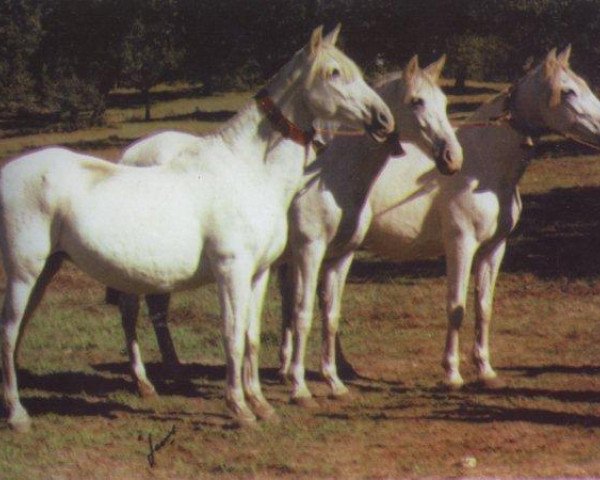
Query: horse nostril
{"points": [[383, 119], [447, 155], [380, 119]]}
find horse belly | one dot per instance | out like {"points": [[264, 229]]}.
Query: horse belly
{"points": [[407, 232], [135, 246]]}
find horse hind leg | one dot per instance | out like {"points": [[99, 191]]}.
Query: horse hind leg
{"points": [[23, 294], [286, 347], [129, 305], [158, 310]]}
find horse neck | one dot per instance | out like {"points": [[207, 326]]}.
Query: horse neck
{"points": [[494, 151], [491, 110], [351, 164], [253, 140]]}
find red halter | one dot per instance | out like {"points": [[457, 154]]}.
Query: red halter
{"points": [[280, 123]]}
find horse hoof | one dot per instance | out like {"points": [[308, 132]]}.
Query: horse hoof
{"points": [[146, 390], [494, 383], [245, 421], [21, 425], [450, 386], [342, 397], [266, 412], [305, 402]]}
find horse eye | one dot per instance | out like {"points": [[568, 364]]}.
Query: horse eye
{"points": [[335, 73], [568, 93], [417, 102]]}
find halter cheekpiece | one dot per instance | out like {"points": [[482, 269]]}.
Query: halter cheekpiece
{"points": [[284, 126]]}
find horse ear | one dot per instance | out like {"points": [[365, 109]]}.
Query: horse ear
{"points": [[563, 57], [551, 55], [331, 37], [435, 69], [316, 40], [550, 63], [411, 68]]}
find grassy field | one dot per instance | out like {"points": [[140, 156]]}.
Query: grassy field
{"points": [[88, 422]]}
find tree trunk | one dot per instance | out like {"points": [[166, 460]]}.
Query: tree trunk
{"points": [[461, 77], [147, 103]]}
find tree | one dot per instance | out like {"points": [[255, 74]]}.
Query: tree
{"points": [[151, 52], [20, 33]]}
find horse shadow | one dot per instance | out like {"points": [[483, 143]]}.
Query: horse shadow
{"points": [[472, 412], [180, 380], [66, 386], [558, 235]]}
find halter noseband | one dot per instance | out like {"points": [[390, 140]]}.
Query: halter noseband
{"points": [[284, 126]]}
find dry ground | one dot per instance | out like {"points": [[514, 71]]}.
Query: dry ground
{"points": [[88, 423]]}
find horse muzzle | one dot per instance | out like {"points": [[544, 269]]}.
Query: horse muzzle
{"points": [[449, 159], [381, 126]]}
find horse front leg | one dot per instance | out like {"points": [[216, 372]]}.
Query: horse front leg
{"points": [[129, 306], [459, 259], [234, 284], [158, 310], [331, 292], [251, 377], [307, 263], [487, 267]]}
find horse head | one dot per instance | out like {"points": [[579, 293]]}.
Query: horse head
{"points": [[552, 96], [420, 110], [333, 87]]}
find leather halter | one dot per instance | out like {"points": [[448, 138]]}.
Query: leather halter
{"points": [[284, 126]]}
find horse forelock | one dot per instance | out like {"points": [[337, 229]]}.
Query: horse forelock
{"points": [[553, 75], [321, 66], [418, 82]]}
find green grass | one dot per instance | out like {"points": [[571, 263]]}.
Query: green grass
{"points": [[88, 422]]}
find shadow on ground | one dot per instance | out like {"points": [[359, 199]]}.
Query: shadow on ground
{"points": [[558, 236]]}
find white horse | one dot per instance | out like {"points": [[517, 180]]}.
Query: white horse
{"points": [[330, 218], [219, 216], [417, 213], [327, 219]]}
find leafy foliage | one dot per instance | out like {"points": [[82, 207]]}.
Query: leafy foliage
{"points": [[62, 57]]}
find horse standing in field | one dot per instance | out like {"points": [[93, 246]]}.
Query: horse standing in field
{"points": [[216, 213], [328, 219], [418, 213]]}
